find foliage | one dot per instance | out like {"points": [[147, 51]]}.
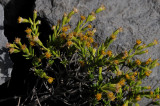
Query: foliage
{"points": [[81, 71]]}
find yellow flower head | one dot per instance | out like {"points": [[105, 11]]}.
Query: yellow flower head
{"points": [[157, 96], [32, 43], [151, 92], [110, 96], [135, 73], [75, 10], [138, 62], [90, 40], [11, 50], [50, 80], [85, 37], [109, 53], [103, 52], [70, 36], [98, 96], [116, 62], [122, 82], [69, 43], [89, 26], [155, 42], [132, 77], [65, 29], [118, 86], [17, 40], [119, 73], [148, 87], [23, 47], [127, 76], [88, 44], [113, 37], [63, 35], [53, 27], [138, 98], [90, 33], [83, 18], [28, 30], [47, 55], [147, 73], [138, 42], [148, 61], [20, 19]]}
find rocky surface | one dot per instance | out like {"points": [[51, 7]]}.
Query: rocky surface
{"points": [[140, 19], [5, 62]]}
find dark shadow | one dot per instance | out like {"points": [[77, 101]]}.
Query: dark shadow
{"points": [[5, 63], [1, 27]]}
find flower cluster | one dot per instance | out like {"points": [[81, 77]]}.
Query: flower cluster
{"points": [[100, 72]]}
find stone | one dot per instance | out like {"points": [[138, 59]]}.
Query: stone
{"points": [[5, 61]]}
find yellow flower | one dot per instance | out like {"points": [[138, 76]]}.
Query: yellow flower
{"points": [[116, 62], [125, 54], [138, 98], [157, 96], [113, 37], [90, 33], [138, 42], [47, 55], [109, 53], [89, 26], [88, 44], [53, 27], [20, 19], [127, 76], [50, 80], [119, 73], [69, 43], [28, 30], [63, 35], [155, 42], [138, 62], [147, 73], [17, 40], [133, 77], [75, 10], [90, 40], [148, 87], [83, 17], [11, 50], [135, 73], [120, 29], [110, 96], [151, 92], [32, 43], [148, 61], [29, 36], [23, 47], [103, 52], [118, 86], [85, 37], [98, 96], [70, 35], [65, 29], [122, 82]]}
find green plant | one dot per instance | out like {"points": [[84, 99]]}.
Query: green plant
{"points": [[75, 62]]}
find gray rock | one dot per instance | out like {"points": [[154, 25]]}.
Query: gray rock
{"points": [[139, 19], [5, 62]]}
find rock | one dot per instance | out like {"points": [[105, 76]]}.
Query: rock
{"points": [[5, 61]]}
